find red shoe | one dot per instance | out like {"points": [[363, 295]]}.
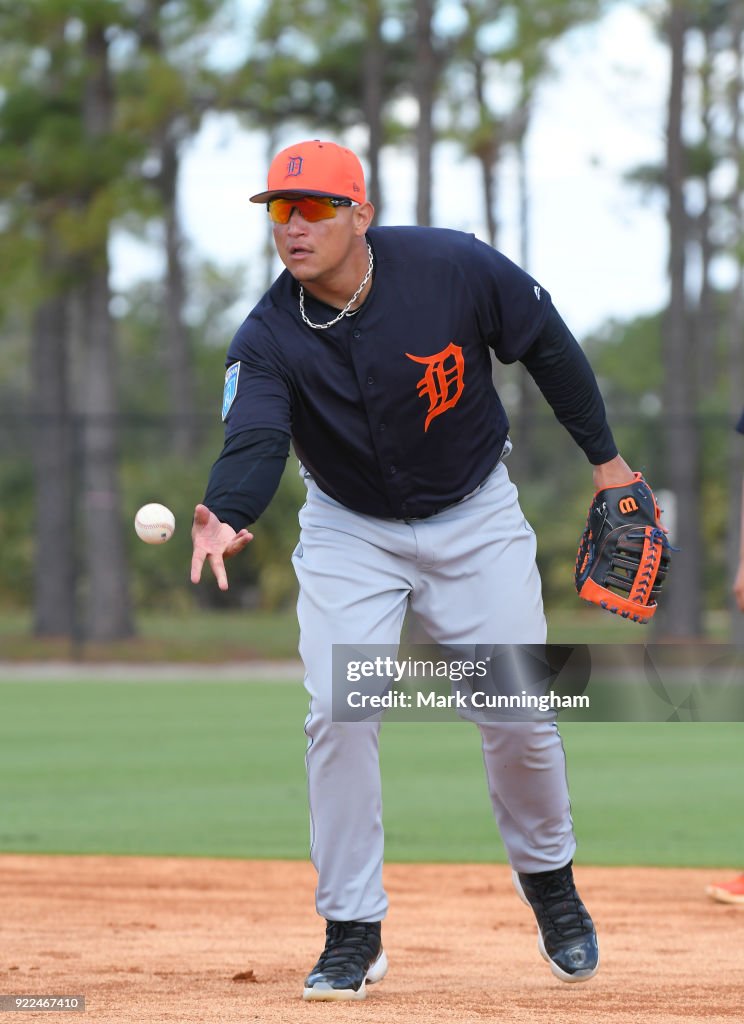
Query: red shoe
{"points": [[727, 892]]}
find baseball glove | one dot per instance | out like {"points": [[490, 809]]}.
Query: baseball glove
{"points": [[623, 553]]}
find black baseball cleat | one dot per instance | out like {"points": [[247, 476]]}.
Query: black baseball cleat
{"points": [[353, 955], [565, 932]]}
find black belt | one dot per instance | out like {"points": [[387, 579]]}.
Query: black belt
{"points": [[451, 504]]}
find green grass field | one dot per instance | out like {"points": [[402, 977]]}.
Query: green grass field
{"points": [[229, 635], [217, 769]]}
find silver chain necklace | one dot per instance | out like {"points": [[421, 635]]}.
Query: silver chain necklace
{"points": [[345, 311]]}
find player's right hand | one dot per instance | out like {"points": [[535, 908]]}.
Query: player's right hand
{"points": [[214, 541]]}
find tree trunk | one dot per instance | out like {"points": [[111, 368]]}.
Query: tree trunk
{"points": [[55, 598], [54, 565], [488, 150], [178, 348], [179, 356], [681, 612], [269, 249], [425, 77], [374, 70], [735, 327], [529, 394], [108, 612], [705, 321], [488, 184]]}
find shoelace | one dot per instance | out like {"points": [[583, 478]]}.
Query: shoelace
{"points": [[562, 905], [347, 940]]}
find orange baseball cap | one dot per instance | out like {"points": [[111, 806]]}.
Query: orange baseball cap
{"points": [[315, 168]]}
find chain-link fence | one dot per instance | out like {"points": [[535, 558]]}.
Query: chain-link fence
{"points": [[552, 475]]}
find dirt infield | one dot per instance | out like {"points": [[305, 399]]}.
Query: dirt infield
{"points": [[147, 939]]}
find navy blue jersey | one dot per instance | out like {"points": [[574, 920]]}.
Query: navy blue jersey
{"points": [[740, 424], [393, 410]]}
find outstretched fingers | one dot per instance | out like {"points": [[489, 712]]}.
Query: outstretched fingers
{"points": [[197, 564], [214, 541], [241, 540], [218, 568]]}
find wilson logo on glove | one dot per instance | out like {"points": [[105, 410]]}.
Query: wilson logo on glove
{"points": [[623, 555]]}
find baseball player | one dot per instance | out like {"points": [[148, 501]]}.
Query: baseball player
{"points": [[371, 352], [733, 891]]}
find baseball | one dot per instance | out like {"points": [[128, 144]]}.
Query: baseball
{"points": [[154, 523]]}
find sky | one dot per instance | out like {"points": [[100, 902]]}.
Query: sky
{"points": [[596, 243]]}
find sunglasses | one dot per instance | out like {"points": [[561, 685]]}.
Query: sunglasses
{"points": [[312, 208]]}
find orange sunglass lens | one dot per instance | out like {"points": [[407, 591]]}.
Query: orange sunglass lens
{"points": [[280, 210]]}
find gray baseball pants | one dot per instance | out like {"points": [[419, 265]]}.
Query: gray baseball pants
{"points": [[470, 575]]}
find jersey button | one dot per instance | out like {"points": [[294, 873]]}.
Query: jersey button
{"points": [[370, 380], [383, 426], [356, 334], [393, 470]]}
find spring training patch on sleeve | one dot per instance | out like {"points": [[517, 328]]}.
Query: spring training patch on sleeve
{"points": [[231, 388]]}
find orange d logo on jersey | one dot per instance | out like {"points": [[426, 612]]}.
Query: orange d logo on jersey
{"points": [[443, 381]]}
